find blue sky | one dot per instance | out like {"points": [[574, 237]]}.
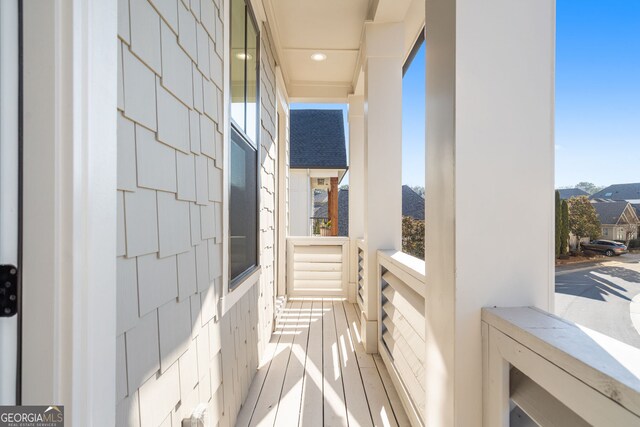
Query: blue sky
{"points": [[413, 118], [597, 96], [597, 91]]}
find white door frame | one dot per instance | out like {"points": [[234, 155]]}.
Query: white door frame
{"points": [[69, 216], [9, 184]]}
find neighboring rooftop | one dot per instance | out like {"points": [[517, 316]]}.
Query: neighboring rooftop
{"points": [[317, 139], [412, 205], [619, 192], [567, 193], [609, 211]]}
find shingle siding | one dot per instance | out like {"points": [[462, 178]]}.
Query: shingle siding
{"points": [[170, 332]]}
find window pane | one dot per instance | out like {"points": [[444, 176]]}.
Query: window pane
{"points": [[238, 57], [252, 74], [243, 214]]}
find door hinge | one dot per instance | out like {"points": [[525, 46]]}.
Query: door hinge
{"points": [[8, 290]]}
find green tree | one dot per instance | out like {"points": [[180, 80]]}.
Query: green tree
{"points": [[583, 219], [418, 189], [564, 232], [413, 237], [589, 187], [558, 223]]}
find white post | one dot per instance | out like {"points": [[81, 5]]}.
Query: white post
{"points": [[356, 186], [382, 160], [69, 216], [489, 184]]}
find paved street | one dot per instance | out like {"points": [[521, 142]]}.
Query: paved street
{"points": [[600, 296]]}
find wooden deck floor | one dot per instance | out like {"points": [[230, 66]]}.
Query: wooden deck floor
{"points": [[316, 373]]}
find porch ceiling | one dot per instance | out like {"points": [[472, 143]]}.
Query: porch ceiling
{"points": [[334, 28]]}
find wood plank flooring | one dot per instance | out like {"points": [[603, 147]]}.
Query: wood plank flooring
{"points": [[316, 373]]}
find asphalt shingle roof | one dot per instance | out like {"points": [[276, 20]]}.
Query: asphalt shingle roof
{"points": [[567, 193], [619, 192], [412, 203], [317, 139], [609, 212]]}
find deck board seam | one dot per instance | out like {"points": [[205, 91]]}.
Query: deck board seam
{"points": [[266, 376], [255, 405], [286, 369], [306, 356], [341, 362], [384, 387], [358, 363]]}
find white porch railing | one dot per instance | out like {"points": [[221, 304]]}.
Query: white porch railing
{"points": [[557, 372], [360, 275], [317, 266], [402, 327]]}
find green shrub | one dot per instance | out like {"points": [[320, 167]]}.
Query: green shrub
{"points": [[413, 237]]}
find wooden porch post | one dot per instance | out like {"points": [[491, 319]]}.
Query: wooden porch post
{"points": [[333, 206]]}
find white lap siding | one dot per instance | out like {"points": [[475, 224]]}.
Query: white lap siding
{"points": [[170, 335]]}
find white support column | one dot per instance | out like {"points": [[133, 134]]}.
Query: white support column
{"points": [[356, 186], [70, 206], [490, 166], [382, 160]]}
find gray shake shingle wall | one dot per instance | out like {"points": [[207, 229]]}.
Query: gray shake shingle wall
{"points": [[175, 347]]}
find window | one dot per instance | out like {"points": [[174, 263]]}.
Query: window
{"points": [[244, 70], [243, 205], [243, 151]]}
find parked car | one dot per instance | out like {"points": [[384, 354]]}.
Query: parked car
{"points": [[607, 247]]}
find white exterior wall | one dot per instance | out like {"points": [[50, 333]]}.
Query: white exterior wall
{"points": [[268, 211], [181, 338], [299, 202]]}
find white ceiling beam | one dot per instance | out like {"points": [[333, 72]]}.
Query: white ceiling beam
{"points": [[300, 92], [391, 10]]}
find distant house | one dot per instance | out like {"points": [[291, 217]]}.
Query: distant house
{"points": [[412, 205], [318, 161], [567, 193], [618, 192], [619, 219]]}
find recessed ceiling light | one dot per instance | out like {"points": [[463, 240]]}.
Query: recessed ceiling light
{"points": [[318, 56], [243, 56]]}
